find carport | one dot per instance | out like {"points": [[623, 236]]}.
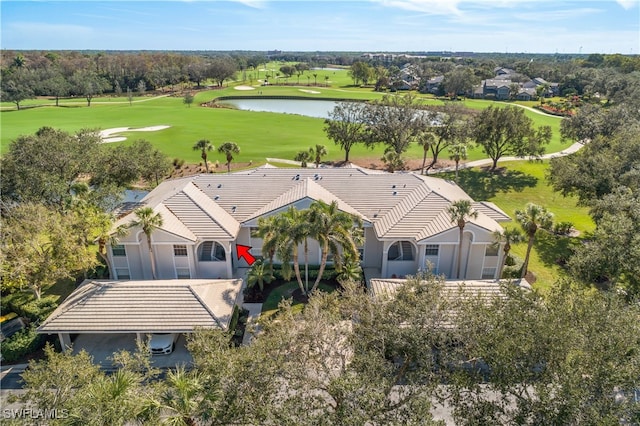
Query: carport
{"points": [[116, 313]]}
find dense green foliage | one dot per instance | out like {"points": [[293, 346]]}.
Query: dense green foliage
{"points": [[20, 344], [604, 176], [570, 357], [52, 166]]}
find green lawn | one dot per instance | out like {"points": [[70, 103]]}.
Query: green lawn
{"points": [[259, 134], [520, 183]]}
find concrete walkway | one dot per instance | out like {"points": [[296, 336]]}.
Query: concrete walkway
{"points": [[252, 328], [283, 161], [487, 161]]}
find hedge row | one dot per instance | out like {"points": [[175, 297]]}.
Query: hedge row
{"points": [[34, 310], [22, 343]]}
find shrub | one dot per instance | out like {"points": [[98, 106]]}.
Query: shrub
{"points": [[20, 344], [513, 267], [37, 310], [178, 163], [562, 228]]}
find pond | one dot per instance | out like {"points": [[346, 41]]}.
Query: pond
{"points": [[310, 108], [315, 108]]}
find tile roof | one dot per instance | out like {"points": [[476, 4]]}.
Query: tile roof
{"points": [[176, 306], [491, 210], [201, 214], [400, 205], [485, 289], [306, 188]]}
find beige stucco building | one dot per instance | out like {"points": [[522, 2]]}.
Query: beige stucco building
{"points": [[406, 222]]}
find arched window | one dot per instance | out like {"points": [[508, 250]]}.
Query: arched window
{"points": [[401, 250], [211, 251]]}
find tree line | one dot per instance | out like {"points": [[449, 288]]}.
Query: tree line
{"points": [[568, 357], [608, 76], [399, 121], [62, 74], [604, 177]]}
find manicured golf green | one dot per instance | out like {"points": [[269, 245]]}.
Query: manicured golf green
{"points": [[259, 134]]}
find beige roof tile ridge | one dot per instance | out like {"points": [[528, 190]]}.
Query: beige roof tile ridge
{"points": [[493, 207], [305, 188], [216, 213], [163, 209], [88, 288], [400, 210], [205, 306]]}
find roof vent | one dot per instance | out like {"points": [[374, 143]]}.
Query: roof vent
{"points": [[216, 197], [219, 185], [404, 186], [393, 186], [233, 209], [208, 185], [395, 192], [296, 177]]}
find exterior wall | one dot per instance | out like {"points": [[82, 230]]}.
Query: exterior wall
{"points": [[244, 238], [399, 268], [144, 272], [448, 253], [490, 262], [164, 261], [475, 261], [215, 269], [372, 249]]}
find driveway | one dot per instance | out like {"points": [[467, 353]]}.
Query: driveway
{"points": [[103, 346]]}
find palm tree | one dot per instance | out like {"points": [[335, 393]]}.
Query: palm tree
{"points": [[228, 149], [425, 140], [303, 157], [460, 212], [293, 230], [149, 221], [317, 153], [532, 218], [268, 230], [258, 275], [507, 236], [203, 145], [332, 229], [458, 151], [350, 271], [183, 396]]}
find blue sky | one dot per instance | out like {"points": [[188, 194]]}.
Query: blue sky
{"points": [[533, 26]]}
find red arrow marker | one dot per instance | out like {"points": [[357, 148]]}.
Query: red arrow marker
{"points": [[243, 251]]}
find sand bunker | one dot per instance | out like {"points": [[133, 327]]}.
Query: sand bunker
{"points": [[244, 88], [313, 92], [107, 134]]}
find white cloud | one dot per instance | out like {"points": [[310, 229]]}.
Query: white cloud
{"points": [[627, 4], [256, 4], [435, 7], [555, 15]]}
